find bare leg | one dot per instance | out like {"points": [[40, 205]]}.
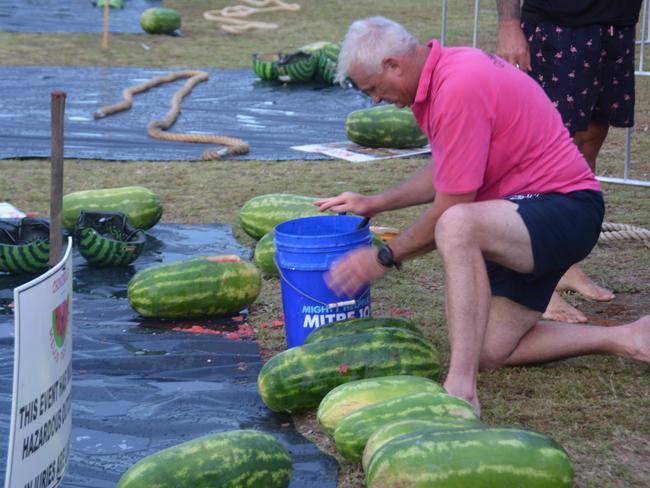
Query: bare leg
{"points": [[512, 340], [464, 235], [589, 143]]}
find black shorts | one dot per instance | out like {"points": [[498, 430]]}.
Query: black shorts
{"points": [[587, 72], [563, 230]]}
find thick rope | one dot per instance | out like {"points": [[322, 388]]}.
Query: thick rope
{"points": [[155, 128], [232, 17], [612, 232]]}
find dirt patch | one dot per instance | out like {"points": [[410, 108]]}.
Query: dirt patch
{"points": [[626, 307]]}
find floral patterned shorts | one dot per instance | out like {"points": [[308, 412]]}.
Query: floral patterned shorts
{"points": [[587, 72]]}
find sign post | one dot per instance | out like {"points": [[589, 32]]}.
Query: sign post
{"points": [[41, 423]]}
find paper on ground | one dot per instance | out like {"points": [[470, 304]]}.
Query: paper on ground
{"points": [[359, 154]]}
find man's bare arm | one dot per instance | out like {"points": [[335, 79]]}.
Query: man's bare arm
{"points": [[416, 190], [511, 42], [508, 10]]}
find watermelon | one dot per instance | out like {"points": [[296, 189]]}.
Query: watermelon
{"points": [[328, 62], [297, 67], [195, 287], [141, 206], [230, 459], [299, 378], [108, 242], [158, 20], [265, 254], [366, 324], [353, 431], [384, 126], [392, 430], [350, 397], [266, 66], [111, 3], [261, 214], [477, 458], [24, 245]]}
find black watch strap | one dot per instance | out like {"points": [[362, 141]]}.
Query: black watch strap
{"points": [[385, 257]]}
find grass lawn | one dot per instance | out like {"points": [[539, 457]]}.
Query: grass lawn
{"points": [[596, 407]]}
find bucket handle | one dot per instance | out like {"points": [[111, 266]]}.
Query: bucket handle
{"points": [[344, 303]]}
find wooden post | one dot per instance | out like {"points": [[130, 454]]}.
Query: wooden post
{"points": [[106, 14], [56, 177]]}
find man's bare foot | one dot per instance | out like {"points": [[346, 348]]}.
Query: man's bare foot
{"points": [[638, 333], [560, 311], [576, 280]]}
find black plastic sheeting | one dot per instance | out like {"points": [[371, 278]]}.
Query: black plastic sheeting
{"points": [[70, 16], [271, 117], [139, 387]]}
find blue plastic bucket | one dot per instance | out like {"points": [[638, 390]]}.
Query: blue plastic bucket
{"points": [[304, 250]]}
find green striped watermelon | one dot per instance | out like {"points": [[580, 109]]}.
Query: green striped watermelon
{"points": [[158, 20], [266, 66], [107, 239], [297, 67], [353, 431], [262, 213], [328, 62], [141, 206], [195, 287], [24, 246], [398, 428], [111, 3], [299, 378], [366, 324], [384, 126], [476, 458], [265, 254], [350, 397], [231, 459]]}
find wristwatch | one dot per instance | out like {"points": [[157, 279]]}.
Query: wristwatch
{"points": [[385, 257]]}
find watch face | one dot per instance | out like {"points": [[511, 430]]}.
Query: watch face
{"points": [[385, 256]]}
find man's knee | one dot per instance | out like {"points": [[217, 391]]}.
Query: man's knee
{"points": [[454, 227], [490, 361]]}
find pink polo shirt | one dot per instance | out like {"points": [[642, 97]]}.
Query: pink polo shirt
{"points": [[493, 130]]}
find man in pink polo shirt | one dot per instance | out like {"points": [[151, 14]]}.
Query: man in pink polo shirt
{"points": [[513, 203]]}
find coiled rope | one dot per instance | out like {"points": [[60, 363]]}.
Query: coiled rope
{"points": [[613, 232], [232, 18], [155, 128]]}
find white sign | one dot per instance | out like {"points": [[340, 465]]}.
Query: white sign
{"points": [[358, 154], [39, 438]]}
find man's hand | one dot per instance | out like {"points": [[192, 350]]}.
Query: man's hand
{"points": [[512, 45], [347, 202], [354, 270]]}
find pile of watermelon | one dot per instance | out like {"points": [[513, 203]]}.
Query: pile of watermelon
{"points": [[374, 383], [313, 61]]}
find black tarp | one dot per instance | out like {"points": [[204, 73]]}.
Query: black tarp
{"points": [[139, 387], [271, 117], [70, 16]]}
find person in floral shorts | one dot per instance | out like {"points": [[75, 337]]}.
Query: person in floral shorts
{"points": [[582, 54]]}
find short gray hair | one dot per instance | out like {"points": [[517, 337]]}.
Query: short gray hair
{"points": [[368, 42]]}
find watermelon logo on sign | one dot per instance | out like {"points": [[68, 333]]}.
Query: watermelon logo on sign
{"points": [[60, 318]]}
